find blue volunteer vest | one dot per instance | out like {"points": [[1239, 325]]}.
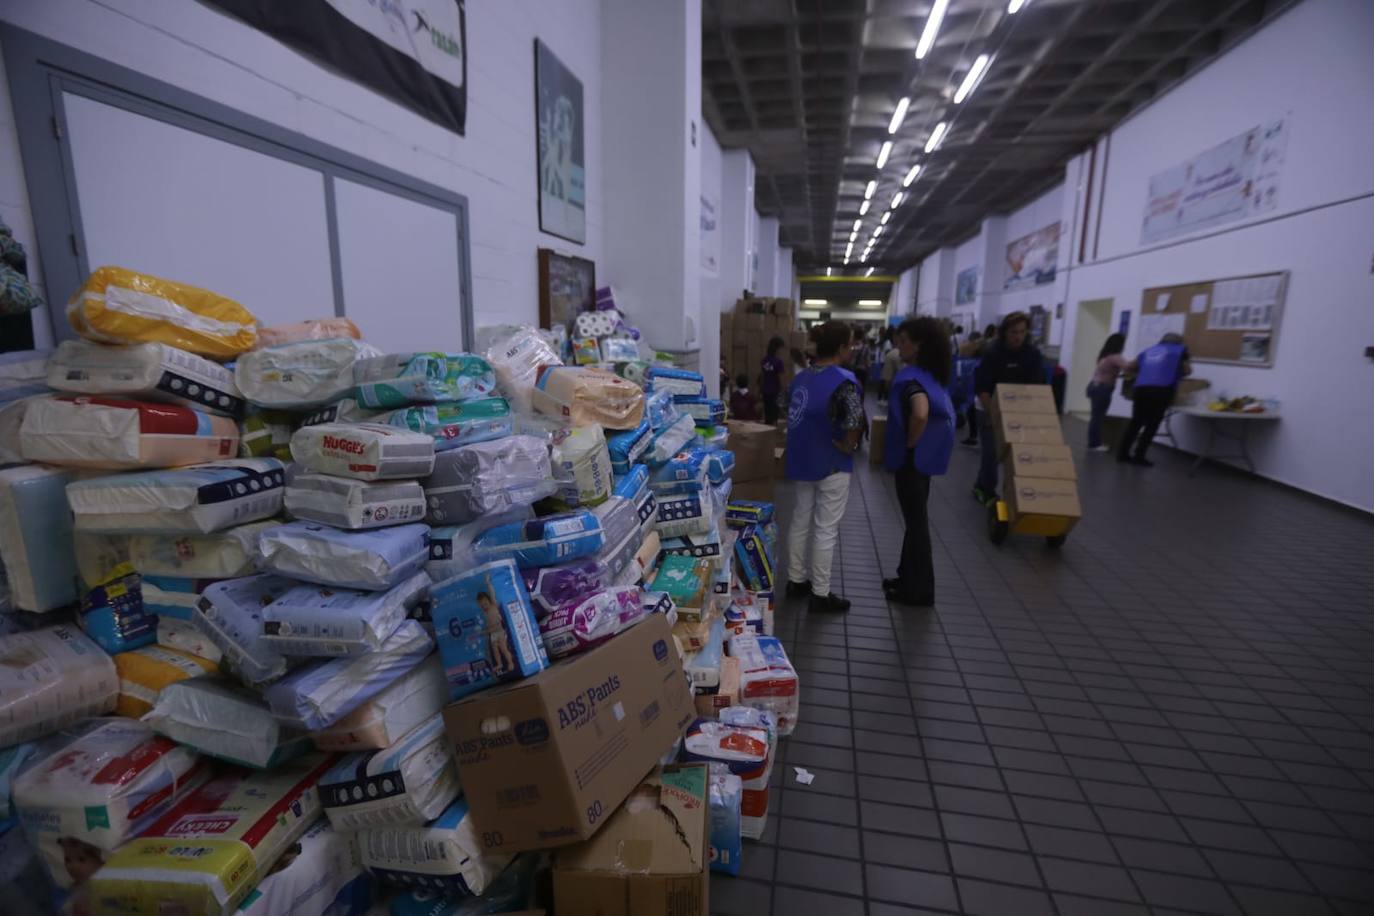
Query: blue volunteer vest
{"points": [[931, 455], [811, 437], [1159, 366]]}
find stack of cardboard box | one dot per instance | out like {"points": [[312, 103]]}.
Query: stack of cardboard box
{"points": [[745, 332], [756, 460], [1037, 465]]}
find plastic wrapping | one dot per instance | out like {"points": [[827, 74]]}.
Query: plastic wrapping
{"points": [[619, 350], [444, 854], [743, 749], [410, 782], [768, 682], [369, 560], [36, 541], [703, 411], [542, 541], [309, 329], [686, 580], [316, 876], [367, 451], [201, 499], [703, 666], [724, 797], [11, 761], [634, 486], [451, 547], [660, 410], [323, 620], [11, 421], [266, 433], [452, 424], [513, 890], [225, 721], [398, 379], [516, 354], [112, 613], [720, 465], [681, 383], [680, 475], [222, 555], [114, 433], [587, 622], [49, 678], [395, 710], [344, 410], [475, 480], [172, 598], [115, 305], [551, 586], [353, 504], [741, 513], [684, 516], [588, 397], [301, 375], [595, 324], [629, 446], [670, 440], [230, 614], [23, 373], [582, 467], [145, 371], [486, 628], [144, 673], [184, 637]]}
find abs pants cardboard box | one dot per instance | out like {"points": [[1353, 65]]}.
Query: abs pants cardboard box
{"points": [[546, 760]]}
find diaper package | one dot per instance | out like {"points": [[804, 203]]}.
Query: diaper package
{"points": [[367, 451], [266, 433], [324, 620], [115, 305], [184, 637], [398, 379], [144, 673], [684, 516], [475, 480], [741, 513], [767, 680], [344, 502], [445, 854], [588, 397], [222, 555], [542, 541], [551, 586], [660, 409], [486, 628], [681, 383], [582, 467], [36, 545], [514, 890], [744, 751], [169, 598], [207, 852], [720, 465], [455, 423], [301, 375], [23, 373], [670, 440], [706, 546], [100, 432], [201, 499], [99, 556], [112, 613], [713, 436], [724, 796], [755, 552], [451, 546], [11, 421], [410, 782], [619, 518], [145, 371], [381, 721], [586, 622], [646, 558], [226, 721], [517, 354], [682, 474], [634, 486], [49, 678], [370, 560], [230, 614], [309, 329], [686, 580], [318, 695], [11, 761], [703, 411], [318, 875], [703, 666], [748, 613], [344, 410], [629, 446]]}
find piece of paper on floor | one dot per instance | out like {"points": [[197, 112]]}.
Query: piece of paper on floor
{"points": [[804, 777]]}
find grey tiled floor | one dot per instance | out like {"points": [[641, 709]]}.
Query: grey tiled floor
{"points": [[1175, 713]]}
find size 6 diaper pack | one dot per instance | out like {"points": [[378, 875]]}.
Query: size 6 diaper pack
{"points": [[146, 371], [100, 432], [486, 628], [201, 499]]}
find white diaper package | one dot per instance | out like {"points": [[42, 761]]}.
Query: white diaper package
{"points": [[367, 451], [382, 720], [113, 433], [301, 375], [670, 440], [767, 680], [344, 410], [317, 696], [486, 477], [201, 499], [684, 516], [11, 421], [89, 796], [225, 720], [310, 877], [324, 620], [184, 637], [225, 554], [51, 677], [230, 613], [370, 560], [517, 353], [445, 854], [36, 545], [582, 468], [410, 782], [146, 371], [171, 598], [344, 502], [23, 373]]}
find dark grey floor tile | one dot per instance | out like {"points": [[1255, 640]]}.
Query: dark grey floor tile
{"points": [[994, 864], [982, 831], [905, 852], [921, 822], [739, 896], [974, 801], [788, 901], [1241, 867], [906, 886], [1071, 905], [804, 869], [987, 899], [895, 791], [815, 836], [1063, 843], [832, 809], [1170, 857], [1197, 894], [1083, 878]]}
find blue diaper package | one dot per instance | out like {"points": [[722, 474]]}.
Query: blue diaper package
{"points": [[703, 546], [634, 486], [681, 474], [486, 628], [756, 551], [542, 541], [703, 411], [680, 383], [113, 615], [669, 441], [720, 464], [725, 794], [372, 560], [741, 513], [715, 436], [629, 446], [660, 409]]}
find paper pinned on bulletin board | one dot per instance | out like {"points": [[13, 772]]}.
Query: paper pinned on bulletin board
{"points": [[1161, 302], [1199, 304], [1154, 327]]}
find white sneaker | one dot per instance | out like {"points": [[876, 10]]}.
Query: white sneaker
{"points": [[1100, 448]]}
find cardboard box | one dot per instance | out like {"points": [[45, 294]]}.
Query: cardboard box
{"points": [[1024, 398], [877, 439], [651, 858], [761, 490], [1051, 461], [1027, 429], [750, 322], [753, 445], [709, 705], [1042, 496], [727, 321], [545, 761]]}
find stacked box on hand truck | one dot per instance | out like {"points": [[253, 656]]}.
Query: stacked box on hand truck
{"points": [[1040, 485]]}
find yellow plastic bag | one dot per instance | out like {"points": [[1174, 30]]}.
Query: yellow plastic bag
{"points": [[115, 305], [144, 672]]}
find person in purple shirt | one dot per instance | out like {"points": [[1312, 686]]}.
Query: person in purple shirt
{"points": [[770, 381]]}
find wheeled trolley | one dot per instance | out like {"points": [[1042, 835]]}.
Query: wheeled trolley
{"points": [[1053, 528]]}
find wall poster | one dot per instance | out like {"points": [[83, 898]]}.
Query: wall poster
{"points": [[1232, 180], [710, 236], [1031, 259], [966, 286], [561, 122]]}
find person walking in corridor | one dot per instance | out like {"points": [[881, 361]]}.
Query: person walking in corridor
{"points": [[1110, 365], [1011, 359], [825, 418], [1159, 370], [770, 380]]}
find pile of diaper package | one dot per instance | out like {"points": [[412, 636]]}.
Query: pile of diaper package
{"points": [[246, 568]]}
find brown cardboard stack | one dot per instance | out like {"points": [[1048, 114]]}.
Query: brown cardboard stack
{"points": [[745, 332], [1038, 466], [755, 448]]}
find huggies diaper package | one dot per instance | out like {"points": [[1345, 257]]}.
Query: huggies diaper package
{"points": [[49, 678], [230, 614], [222, 555], [542, 541], [411, 782], [398, 379], [100, 432], [486, 477], [586, 622], [367, 451], [201, 499], [226, 721], [398, 708], [301, 375], [370, 560], [456, 423], [144, 673], [353, 504], [486, 628], [588, 397], [146, 371], [36, 544], [445, 854], [323, 620]]}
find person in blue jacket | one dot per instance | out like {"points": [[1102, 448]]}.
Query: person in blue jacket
{"points": [[920, 438], [1159, 369], [825, 417]]}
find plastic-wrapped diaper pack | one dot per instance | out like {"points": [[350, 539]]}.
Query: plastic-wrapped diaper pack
{"points": [[410, 782], [551, 586], [381, 721], [586, 622], [367, 451], [172, 598], [741, 513], [682, 474], [681, 383], [451, 546], [226, 721], [51, 677], [369, 560], [670, 440], [634, 486], [309, 329], [318, 695], [703, 666], [660, 409], [266, 433], [686, 580], [90, 795], [230, 614], [353, 504], [144, 673], [486, 628], [320, 875], [756, 548], [720, 465], [398, 379], [205, 854], [475, 480], [767, 680], [112, 613], [582, 467], [516, 354], [687, 515], [23, 373], [36, 537], [703, 411], [11, 421], [147, 371], [344, 410], [456, 423], [11, 761], [222, 555], [324, 620], [201, 499], [725, 794], [301, 375], [629, 446], [445, 854], [619, 518], [542, 541], [706, 546], [100, 432], [115, 305], [746, 750], [588, 397], [184, 637]]}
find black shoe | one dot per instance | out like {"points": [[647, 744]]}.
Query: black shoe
{"points": [[889, 584], [796, 589], [968, 441], [896, 597], [1142, 462], [828, 604]]}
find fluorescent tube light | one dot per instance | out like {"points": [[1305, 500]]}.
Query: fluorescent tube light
{"points": [[870, 302], [877, 231], [1015, 6], [972, 78], [815, 302], [884, 153], [897, 200], [937, 16], [870, 272], [911, 175], [936, 136], [827, 271], [886, 216], [857, 224], [863, 208], [898, 116], [868, 191]]}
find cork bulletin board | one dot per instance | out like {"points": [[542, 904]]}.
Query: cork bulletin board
{"points": [[1231, 320]]}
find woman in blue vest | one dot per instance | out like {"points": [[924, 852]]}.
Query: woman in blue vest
{"points": [[825, 417], [1159, 369], [920, 438]]}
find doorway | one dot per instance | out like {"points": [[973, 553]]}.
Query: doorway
{"points": [[1091, 327]]}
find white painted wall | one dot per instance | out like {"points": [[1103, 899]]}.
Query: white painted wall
{"points": [[195, 48], [737, 216], [936, 294], [903, 298], [766, 245], [784, 274], [712, 299]]}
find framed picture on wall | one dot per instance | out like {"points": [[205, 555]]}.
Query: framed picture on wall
{"points": [[567, 285], [560, 124]]}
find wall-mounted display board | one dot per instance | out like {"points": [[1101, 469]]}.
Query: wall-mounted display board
{"points": [[1232, 320], [567, 285]]}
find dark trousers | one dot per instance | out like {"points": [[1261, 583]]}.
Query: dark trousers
{"points": [[916, 572], [973, 422], [770, 410], [1101, 397], [1147, 411], [987, 468]]}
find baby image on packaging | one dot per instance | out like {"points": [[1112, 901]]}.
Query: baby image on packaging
{"points": [[486, 628]]}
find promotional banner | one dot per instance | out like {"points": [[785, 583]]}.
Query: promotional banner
{"points": [[1031, 259], [966, 285], [710, 236]]}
